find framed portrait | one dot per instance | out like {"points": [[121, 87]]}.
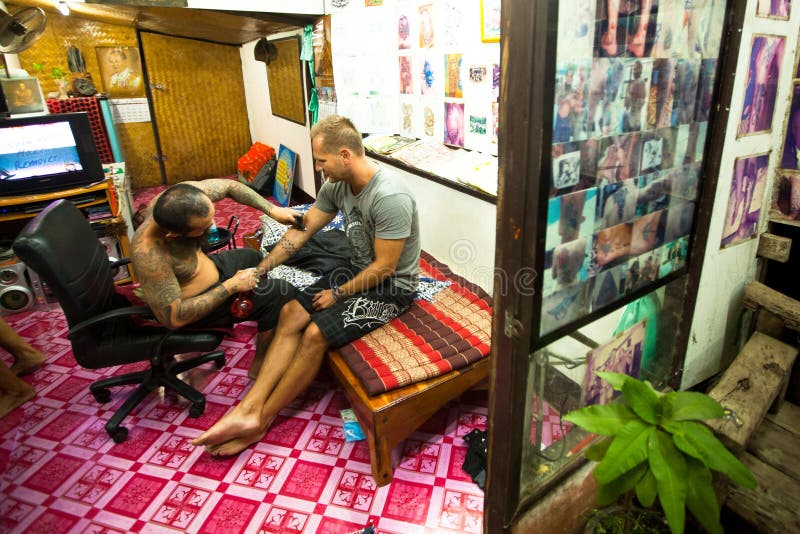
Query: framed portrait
{"points": [[774, 9], [745, 199], [490, 21], [762, 84], [23, 95], [120, 71]]}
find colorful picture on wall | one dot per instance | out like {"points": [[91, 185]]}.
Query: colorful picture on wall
{"points": [[621, 355], [762, 84], [284, 175], [23, 95], [790, 157], [490, 21], [406, 85], [454, 124], [120, 71], [779, 9], [426, 36], [452, 81], [744, 202]]}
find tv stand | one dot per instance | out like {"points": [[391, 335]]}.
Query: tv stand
{"points": [[97, 201]]}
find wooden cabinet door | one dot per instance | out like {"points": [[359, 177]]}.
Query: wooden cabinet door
{"points": [[199, 106]]}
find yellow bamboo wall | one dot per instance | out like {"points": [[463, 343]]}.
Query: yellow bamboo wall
{"points": [[136, 139]]}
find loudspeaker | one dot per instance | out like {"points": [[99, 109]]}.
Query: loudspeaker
{"points": [[16, 294]]}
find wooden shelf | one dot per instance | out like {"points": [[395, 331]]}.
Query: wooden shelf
{"points": [[104, 193]]}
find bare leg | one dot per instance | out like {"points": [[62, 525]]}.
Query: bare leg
{"points": [[13, 391], [262, 344], [637, 40], [302, 370], [26, 358], [288, 334], [609, 39]]}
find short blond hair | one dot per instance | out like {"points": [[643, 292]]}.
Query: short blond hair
{"points": [[338, 132]]}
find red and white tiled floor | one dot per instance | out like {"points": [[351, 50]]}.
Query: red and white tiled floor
{"points": [[61, 473]]}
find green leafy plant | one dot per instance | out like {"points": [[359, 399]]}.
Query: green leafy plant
{"points": [[56, 73], [656, 447]]}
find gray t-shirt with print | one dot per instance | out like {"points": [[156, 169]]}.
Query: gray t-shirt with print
{"points": [[385, 209]]}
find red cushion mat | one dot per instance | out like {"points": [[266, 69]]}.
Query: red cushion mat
{"points": [[429, 339]]}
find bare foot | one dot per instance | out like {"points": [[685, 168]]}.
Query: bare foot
{"points": [[636, 43], [10, 401], [29, 363], [234, 424], [237, 445], [608, 41]]}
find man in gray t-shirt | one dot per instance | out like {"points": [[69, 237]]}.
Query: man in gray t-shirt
{"points": [[382, 228]]}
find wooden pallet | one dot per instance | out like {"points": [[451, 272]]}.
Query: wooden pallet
{"points": [[773, 455]]}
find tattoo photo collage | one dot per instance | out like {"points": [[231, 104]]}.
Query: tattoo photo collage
{"points": [[633, 92]]}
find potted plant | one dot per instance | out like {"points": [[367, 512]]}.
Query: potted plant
{"points": [[657, 446], [60, 78]]}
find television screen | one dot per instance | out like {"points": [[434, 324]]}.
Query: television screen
{"points": [[37, 149], [47, 153]]}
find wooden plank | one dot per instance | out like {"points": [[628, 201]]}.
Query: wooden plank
{"points": [[774, 247], [749, 386], [788, 417], [758, 295], [774, 506], [777, 447]]}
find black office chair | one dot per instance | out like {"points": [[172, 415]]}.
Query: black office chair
{"points": [[61, 247]]}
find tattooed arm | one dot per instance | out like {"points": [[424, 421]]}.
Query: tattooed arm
{"points": [[163, 293], [293, 239], [217, 189]]}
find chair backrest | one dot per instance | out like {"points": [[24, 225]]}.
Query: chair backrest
{"points": [[60, 245]]}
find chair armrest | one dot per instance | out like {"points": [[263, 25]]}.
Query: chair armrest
{"points": [[120, 263], [112, 314]]}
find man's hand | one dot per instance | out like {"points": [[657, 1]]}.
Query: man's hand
{"points": [[244, 280], [284, 215], [323, 299]]}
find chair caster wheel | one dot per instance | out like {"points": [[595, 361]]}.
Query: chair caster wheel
{"points": [[102, 395], [118, 434], [219, 363], [197, 409]]}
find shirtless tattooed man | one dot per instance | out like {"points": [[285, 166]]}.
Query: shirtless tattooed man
{"points": [[183, 285]]}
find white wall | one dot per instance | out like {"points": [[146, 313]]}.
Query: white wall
{"points": [[713, 339], [272, 130]]}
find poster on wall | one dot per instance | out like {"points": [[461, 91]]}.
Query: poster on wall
{"points": [[633, 93], [777, 9], [284, 175], [120, 71], [762, 84], [745, 199], [790, 156], [623, 355], [786, 198]]}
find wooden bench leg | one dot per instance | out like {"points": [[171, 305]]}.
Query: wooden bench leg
{"points": [[381, 458]]}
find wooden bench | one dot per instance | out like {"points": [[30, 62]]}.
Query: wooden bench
{"points": [[389, 418]]}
